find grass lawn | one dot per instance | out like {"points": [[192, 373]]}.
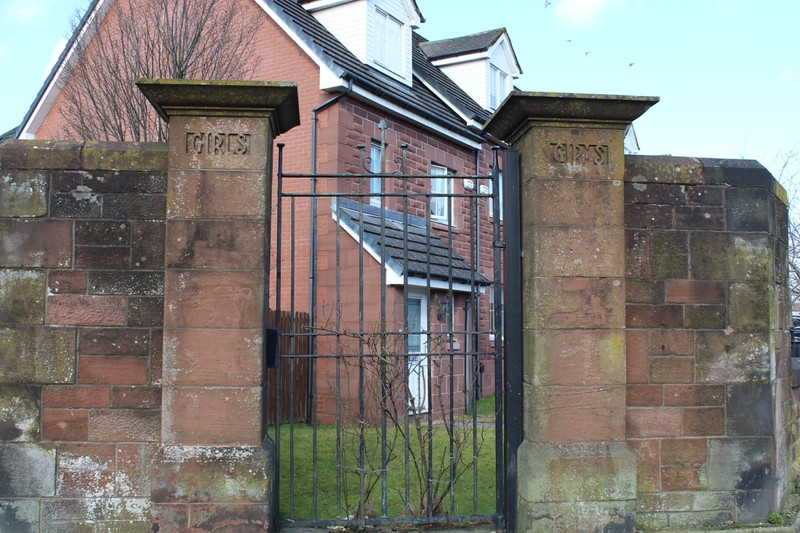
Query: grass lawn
{"points": [[338, 496]]}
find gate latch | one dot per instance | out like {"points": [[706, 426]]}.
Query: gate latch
{"points": [[271, 348]]}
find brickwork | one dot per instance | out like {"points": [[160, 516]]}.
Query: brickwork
{"points": [[81, 318], [707, 389]]}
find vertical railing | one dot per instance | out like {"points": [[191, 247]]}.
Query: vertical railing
{"points": [[371, 460]]}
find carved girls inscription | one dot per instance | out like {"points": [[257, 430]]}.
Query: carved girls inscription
{"points": [[217, 143], [581, 154]]}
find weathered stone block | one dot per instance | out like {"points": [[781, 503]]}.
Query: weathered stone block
{"points": [[80, 396], [663, 169], [719, 256], [146, 312], [703, 421], [196, 474], [170, 517], [750, 209], [200, 194], [644, 395], [194, 357], [671, 370], [135, 397], [24, 193], [749, 409], [752, 506], [76, 204], [108, 155], [750, 305], [241, 518], [687, 291], [675, 478], [67, 282], [648, 422], [653, 316], [741, 464], [36, 244], [694, 395], [576, 472], [131, 206], [27, 471], [700, 218], [570, 303], [95, 509], [649, 216], [19, 516], [102, 233], [705, 316], [574, 357], [113, 370], [216, 244], [114, 341], [133, 469], [142, 181], [670, 342], [125, 425], [19, 414], [681, 452], [18, 154], [573, 202], [574, 414], [86, 310], [22, 294], [127, 283], [732, 357], [575, 251], [65, 424], [147, 248], [231, 416], [669, 266], [644, 291], [701, 519], [648, 467], [37, 355], [213, 299], [705, 195]]}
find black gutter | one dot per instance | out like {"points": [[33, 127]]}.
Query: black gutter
{"points": [[383, 93]]}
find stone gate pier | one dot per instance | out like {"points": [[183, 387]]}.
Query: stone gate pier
{"points": [[654, 317]]}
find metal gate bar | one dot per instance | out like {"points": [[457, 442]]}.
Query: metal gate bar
{"points": [[451, 347]]}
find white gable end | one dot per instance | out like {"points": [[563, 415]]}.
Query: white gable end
{"points": [[377, 32]]}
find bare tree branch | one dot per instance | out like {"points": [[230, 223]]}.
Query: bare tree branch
{"points": [[176, 39]]}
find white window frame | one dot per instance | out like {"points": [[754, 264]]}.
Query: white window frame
{"points": [[388, 42], [498, 86], [492, 304], [375, 168], [438, 204]]}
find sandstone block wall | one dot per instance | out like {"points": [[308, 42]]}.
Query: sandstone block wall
{"points": [[707, 343], [81, 312]]}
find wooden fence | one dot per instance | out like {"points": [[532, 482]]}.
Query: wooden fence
{"points": [[294, 385]]}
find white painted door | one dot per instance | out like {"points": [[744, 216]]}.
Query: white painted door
{"points": [[418, 359]]}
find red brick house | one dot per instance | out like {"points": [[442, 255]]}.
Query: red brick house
{"points": [[372, 89]]}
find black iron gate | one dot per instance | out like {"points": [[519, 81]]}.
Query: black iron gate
{"points": [[400, 277]]}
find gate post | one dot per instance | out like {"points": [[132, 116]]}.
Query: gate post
{"points": [[575, 470], [211, 468]]}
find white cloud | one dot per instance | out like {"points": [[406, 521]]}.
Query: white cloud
{"points": [[580, 12], [59, 47]]}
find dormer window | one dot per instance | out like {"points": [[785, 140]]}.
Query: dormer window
{"points": [[498, 86], [388, 35]]}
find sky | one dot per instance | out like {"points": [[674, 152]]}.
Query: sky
{"points": [[727, 71]]}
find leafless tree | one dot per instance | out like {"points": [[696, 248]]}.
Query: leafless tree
{"points": [[176, 39], [787, 164]]}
